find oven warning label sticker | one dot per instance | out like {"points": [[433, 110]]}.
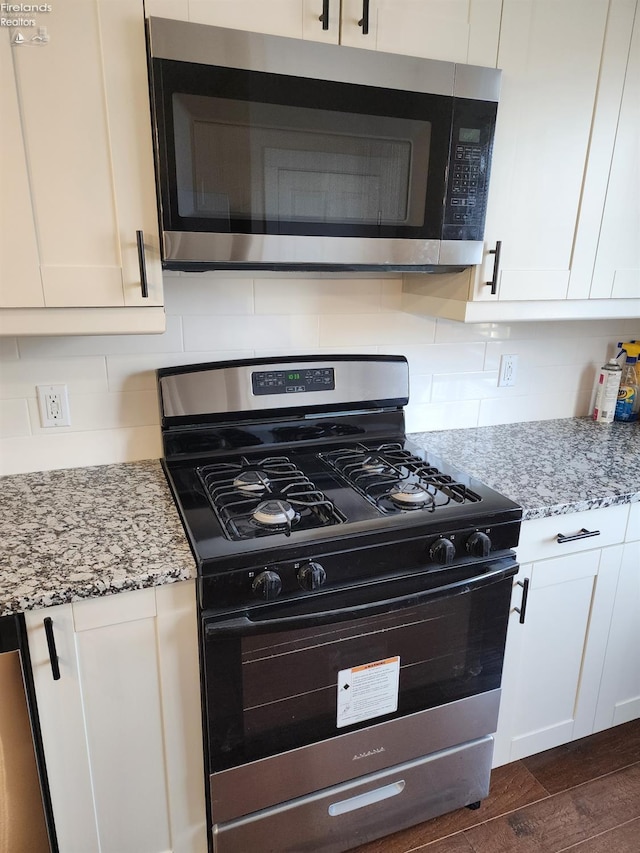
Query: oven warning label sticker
{"points": [[368, 691]]}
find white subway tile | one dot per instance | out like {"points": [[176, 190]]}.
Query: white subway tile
{"points": [[45, 452], [203, 293], [8, 349], [419, 388], [87, 345], [535, 407], [81, 375], [449, 387], [317, 296], [14, 419], [391, 295], [252, 331], [429, 416], [385, 329], [452, 332], [444, 358]]}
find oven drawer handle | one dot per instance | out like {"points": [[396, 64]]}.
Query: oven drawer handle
{"points": [[244, 625], [583, 534], [367, 799]]}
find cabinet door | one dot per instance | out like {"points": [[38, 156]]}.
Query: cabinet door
{"points": [[117, 662], [554, 659], [291, 18], [88, 148], [617, 266], [121, 728], [62, 726], [550, 57], [619, 699], [19, 263], [452, 30]]}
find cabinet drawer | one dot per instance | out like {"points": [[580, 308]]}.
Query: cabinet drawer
{"points": [[539, 538]]}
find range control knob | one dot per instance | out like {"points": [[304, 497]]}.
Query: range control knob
{"points": [[311, 576], [443, 552], [267, 585], [478, 544]]}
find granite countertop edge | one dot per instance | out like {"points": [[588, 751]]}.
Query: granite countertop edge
{"points": [[549, 468], [74, 534]]}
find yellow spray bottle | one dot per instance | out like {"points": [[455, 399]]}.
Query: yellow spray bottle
{"points": [[628, 404]]}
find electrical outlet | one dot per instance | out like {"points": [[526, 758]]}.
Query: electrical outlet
{"points": [[53, 402], [508, 370]]}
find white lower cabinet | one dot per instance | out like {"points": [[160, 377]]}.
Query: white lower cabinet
{"points": [[121, 727], [619, 697], [562, 655]]}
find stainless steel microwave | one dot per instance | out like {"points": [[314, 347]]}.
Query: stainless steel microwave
{"points": [[283, 154]]}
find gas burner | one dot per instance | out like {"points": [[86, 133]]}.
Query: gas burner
{"points": [[394, 480], [410, 495], [373, 465], [252, 482], [265, 496], [274, 513]]}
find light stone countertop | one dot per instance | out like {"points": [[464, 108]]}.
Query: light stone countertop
{"points": [[548, 467], [80, 533], [86, 532]]}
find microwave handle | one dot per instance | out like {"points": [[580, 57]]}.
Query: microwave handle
{"points": [[243, 625], [324, 17], [144, 285], [364, 20]]}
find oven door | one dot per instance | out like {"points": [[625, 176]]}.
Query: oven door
{"points": [[307, 693]]}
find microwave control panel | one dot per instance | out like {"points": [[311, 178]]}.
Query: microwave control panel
{"points": [[468, 180]]}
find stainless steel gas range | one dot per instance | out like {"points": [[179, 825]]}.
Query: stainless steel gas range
{"points": [[353, 601]]}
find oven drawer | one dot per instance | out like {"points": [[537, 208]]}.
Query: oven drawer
{"points": [[369, 807]]}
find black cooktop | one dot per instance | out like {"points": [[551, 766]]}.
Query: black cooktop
{"points": [[339, 495]]}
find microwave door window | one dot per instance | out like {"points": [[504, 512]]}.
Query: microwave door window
{"points": [[274, 168]]}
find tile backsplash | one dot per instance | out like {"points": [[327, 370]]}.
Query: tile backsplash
{"points": [[453, 367]]}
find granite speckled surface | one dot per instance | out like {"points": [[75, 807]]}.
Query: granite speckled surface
{"points": [[86, 532], [548, 467]]}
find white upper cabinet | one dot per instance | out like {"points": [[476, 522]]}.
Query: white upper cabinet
{"points": [[607, 255], [82, 112], [562, 199], [452, 30], [18, 245], [291, 18]]}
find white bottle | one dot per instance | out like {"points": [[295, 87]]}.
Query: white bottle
{"points": [[607, 393]]}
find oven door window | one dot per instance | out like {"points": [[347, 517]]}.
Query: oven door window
{"points": [[259, 153], [272, 691]]}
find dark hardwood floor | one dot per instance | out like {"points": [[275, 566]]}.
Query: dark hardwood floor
{"points": [[583, 797]]}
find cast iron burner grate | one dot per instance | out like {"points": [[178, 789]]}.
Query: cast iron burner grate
{"points": [[394, 480], [266, 496]]}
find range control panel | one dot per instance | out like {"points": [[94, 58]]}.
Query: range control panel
{"points": [[461, 552], [294, 381]]}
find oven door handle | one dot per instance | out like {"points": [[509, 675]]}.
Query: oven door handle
{"points": [[244, 625]]}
